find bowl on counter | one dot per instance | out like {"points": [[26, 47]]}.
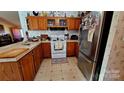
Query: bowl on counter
{"points": [[35, 40]]}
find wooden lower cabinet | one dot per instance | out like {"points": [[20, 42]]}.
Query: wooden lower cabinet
{"points": [[20, 70], [10, 71], [46, 47], [72, 49], [37, 53], [27, 67], [76, 49]]}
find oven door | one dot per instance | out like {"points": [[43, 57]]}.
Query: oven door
{"points": [[58, 48]]}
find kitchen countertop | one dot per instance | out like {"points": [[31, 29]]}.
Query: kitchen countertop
{"points": [[67, 41], [17, 45], [72, 41], [21, 45]]}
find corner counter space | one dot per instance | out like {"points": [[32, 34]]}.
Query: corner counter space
{"points": [[24, 63], [28, 47], [23, 66]]}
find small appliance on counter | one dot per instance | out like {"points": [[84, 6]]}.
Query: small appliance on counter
{"points": [[74, 37], [45, 37], [66, 35], [5, 40]]}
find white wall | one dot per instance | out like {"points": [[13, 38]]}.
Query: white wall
{"points": [[22, 17], [49, 33]]}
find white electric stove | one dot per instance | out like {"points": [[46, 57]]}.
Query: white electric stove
{"points": [[58, 46]]}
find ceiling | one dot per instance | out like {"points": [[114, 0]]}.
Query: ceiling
{"points": [[10, 16]]}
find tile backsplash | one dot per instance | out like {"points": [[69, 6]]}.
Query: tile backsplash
{"points": [[49, 33]]}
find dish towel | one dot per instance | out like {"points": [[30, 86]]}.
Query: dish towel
{"points": [[90, 34], [58, 45]]}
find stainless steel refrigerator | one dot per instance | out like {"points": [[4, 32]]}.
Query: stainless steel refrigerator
{"points": [[94, 30]]}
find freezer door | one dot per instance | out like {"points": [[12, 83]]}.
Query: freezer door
{"points": [[86, 66]]}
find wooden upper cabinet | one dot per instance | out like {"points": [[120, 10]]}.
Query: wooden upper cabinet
{"points": [[36, 23], [73, 23], [27, 66], [77, 23], [57, 22], [32, 23], [42, 23]]}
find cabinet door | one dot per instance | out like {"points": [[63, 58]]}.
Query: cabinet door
{"points": [[76, 49], [70, 49], [27, 66], [10, 71], [42, 23], [77, 23], [41, 53], [46, 50], [71, 23], [32, 23], [37, 58]]}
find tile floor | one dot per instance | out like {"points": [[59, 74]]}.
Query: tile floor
{"points": [[59, 72]]}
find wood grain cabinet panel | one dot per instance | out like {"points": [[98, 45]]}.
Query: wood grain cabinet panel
{"points": [[76, 49], [27, 66], [70, 49], [10, 71], [42, 23], [32, 23], [77, 23], [37, 53], [36, 23], [73, 23], [46, 47]]}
